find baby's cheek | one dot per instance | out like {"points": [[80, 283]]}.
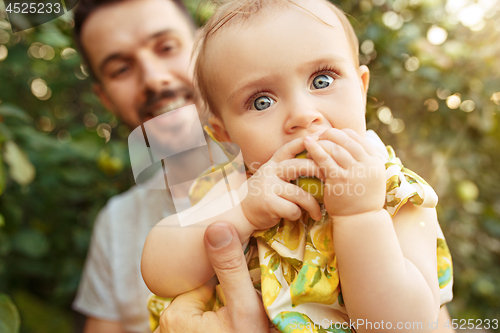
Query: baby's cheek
{"points": [[248, 157], [250, 151], [254, 162]]}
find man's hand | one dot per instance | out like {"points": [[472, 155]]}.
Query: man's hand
{"points": [[244, 311]]}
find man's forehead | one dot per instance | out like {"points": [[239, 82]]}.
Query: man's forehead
{"points": [[129, 23]]}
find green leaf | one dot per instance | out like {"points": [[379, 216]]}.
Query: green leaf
{"points": [[55, 38], [41, 316], [9, 110], [20, 167], [32, 243], [2, 175], [9, 316], [5, 133]]}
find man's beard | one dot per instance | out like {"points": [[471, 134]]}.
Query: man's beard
{"points": [[149, 108]]}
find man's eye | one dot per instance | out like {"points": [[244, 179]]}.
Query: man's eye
{"points": [[263, 102], [120, 71], [168, 47], [321, 81]]}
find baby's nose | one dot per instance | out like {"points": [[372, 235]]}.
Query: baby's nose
{"points": [[302, 118]]}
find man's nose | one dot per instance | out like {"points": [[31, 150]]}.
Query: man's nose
{"points": [[302, 114], [155, 74]]}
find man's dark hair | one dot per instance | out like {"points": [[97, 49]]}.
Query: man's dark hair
{"points": [[85, 8]]}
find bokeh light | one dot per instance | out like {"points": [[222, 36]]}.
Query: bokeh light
{"points": [[443, 93], [367, 46], [3, 52], [412, 64], [453, 101], [90, 120], [496, 98], [40, 89], [385, 115], [392, 20], [396, 126], [45, 124], [47, 52], [34, 51], [4, 37], [437, 35], [63, 136], [104, 131], [471, 15], [68, 53], [468, 106], [431, 104]]}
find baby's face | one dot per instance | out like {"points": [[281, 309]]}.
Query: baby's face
{"points": [[280, 76]]}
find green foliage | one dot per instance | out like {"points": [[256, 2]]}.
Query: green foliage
{"points": [[62, 156], [9, 316], [444, 96]]}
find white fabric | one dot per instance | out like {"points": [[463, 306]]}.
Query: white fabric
{"points": [[112, 287]]}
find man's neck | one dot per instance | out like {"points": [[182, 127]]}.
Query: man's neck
{"points": [[183, 169]]}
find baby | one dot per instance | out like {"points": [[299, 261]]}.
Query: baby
{"points": [[280, 77]]}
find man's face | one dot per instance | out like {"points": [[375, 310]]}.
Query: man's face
{"points": [[140, 52]]}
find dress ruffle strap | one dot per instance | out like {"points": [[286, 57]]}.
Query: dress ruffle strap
{"points": [[402, 184]]}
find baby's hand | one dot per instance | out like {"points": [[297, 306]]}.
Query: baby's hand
{"points": [[355, 174], [271, 196]]}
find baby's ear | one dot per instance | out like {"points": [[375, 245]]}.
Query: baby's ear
{"points": [[220, 132], [364, 79]]}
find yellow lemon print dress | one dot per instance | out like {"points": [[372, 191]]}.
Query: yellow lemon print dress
{"points": [[294, 267]]}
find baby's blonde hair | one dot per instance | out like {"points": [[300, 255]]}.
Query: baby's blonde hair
{"points": [[231, 11]]}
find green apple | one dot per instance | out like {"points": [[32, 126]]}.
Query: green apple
{"points": [[312, 185]]}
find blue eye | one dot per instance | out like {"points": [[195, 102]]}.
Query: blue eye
{"points": [[321, 81], [262, 103]]}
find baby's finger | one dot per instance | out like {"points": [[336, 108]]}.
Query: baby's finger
{"points": [[341, 156], [289, 150], [285, 208], [289, 170], [362, 141], [319, 155], [347, 141], [302, 198]]}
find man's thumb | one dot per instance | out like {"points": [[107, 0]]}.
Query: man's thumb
{"points": [[225, 252]]}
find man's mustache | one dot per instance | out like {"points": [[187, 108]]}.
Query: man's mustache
{"points": [[152, 98]]}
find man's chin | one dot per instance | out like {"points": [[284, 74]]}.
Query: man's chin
{"points": [[174, 134]]}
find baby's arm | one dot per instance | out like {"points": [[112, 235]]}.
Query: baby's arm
{"points": [[387, 268], [174, 259]]}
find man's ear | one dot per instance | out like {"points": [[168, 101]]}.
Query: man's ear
{"points": [[103, 97], [364, 79], [220, 132]]}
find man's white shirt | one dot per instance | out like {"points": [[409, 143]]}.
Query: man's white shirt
{"points": [[112, 287]]}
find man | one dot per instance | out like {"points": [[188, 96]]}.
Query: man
{"points": [[138, 52]]}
